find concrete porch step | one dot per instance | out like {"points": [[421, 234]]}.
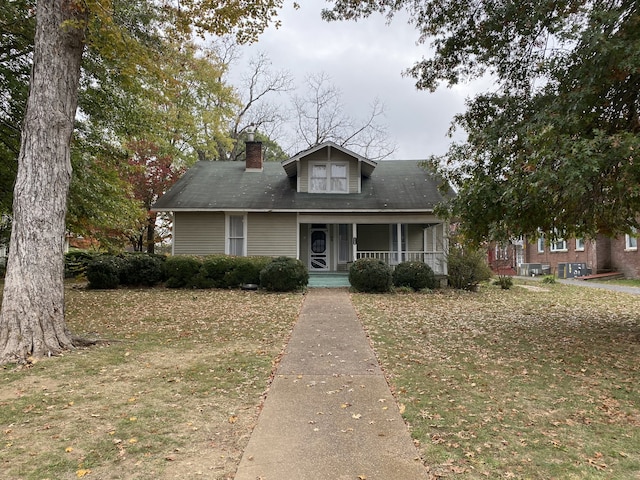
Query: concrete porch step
{"points": [[328, 279]]}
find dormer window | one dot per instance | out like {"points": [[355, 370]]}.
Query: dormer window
{"points": [[328, 177]]}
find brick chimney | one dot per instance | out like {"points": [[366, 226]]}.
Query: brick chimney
{"points": [[254, 155]]}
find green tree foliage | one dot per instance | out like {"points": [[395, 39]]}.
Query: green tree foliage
{"points": [[124, 40], [17, 26], [553, 146]]}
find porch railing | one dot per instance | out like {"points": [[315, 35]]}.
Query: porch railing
{"points": [[436, 260]]}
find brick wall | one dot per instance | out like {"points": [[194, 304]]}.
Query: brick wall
{"points": [[624, 261], [589, 255]]}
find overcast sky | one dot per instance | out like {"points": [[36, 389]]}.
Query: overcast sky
{"points": [[365, 60]]}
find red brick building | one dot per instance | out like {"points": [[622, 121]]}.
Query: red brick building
{"points": [[569, 258]]}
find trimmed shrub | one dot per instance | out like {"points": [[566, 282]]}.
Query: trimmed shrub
{"points": [[213, 271], [416, 275], [103, 272], [370, 275], [181, 270], [467, 268], [141, 269], [245, 270], [284, 274], [76, 262], [224, 271], [549, 279]]}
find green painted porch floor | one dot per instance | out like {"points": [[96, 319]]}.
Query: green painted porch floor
{"points": [[328, 279]]}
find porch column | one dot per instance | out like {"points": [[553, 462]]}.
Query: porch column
{"points": [[445, 246], [399, 237], [354, 241]]}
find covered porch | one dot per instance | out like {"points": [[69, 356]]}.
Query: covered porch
{"points": [[329, 246]]}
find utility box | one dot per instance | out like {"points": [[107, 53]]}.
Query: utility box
{"points": [[533, 269], [572, 270]]}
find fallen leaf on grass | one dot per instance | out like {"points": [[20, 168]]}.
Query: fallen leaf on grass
{"points": [[82, 472]]}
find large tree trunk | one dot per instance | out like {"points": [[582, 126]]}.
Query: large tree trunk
{"points": [[32, 315]]}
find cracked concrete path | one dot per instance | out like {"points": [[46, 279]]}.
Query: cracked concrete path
{"points": [[329, 413]]}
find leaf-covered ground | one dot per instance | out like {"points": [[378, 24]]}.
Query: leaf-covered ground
{"points": [[175, 395], [530, 383]]}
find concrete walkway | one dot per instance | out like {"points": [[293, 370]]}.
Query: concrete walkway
{"points": [[329, 413], [590, 284]]}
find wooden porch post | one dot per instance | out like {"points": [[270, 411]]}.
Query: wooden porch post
{"points": [[399, 236], [354, 241]]}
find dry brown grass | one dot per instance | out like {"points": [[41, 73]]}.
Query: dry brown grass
{"points": [[529, 383], [176, 395]]}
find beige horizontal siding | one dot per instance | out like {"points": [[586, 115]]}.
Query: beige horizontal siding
{"points": [[272, 234], [337, 156], [198, 233]]}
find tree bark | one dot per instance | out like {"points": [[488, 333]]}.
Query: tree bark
{"points": [[151, 232], [32, 315]]}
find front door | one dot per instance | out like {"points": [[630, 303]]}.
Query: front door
{"points": [[319, 247]]}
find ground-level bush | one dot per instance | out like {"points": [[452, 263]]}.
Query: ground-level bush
{"points": [[103, 272], [246, 270], [504, 281], [224, 271], [77, 261], [141, 269], [416, 275], [467, 267], [370, 275], [180, 271], [284, 274]]}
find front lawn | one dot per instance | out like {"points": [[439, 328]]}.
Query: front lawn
{"points": [[174, 394], [537, 382]]}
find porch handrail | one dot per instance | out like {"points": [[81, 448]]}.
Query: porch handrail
{"points": [[436, 260]]}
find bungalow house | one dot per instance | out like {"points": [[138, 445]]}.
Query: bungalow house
{"points": [[326, 206]]}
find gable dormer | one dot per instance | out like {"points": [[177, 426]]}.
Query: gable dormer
{"points": [[328, 168]]}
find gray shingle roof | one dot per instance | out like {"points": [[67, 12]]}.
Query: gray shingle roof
{"points": [[395, 185]]}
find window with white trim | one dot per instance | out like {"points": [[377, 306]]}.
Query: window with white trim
{"points": [[631, 240], [559, 245], [328, 177], [236, 238], [579, 244], [541, 244]]}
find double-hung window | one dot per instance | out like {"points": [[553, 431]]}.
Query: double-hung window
{"points": [[236, 235], [579, 244], [328, 177], [631, 240], [559, 245]]}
